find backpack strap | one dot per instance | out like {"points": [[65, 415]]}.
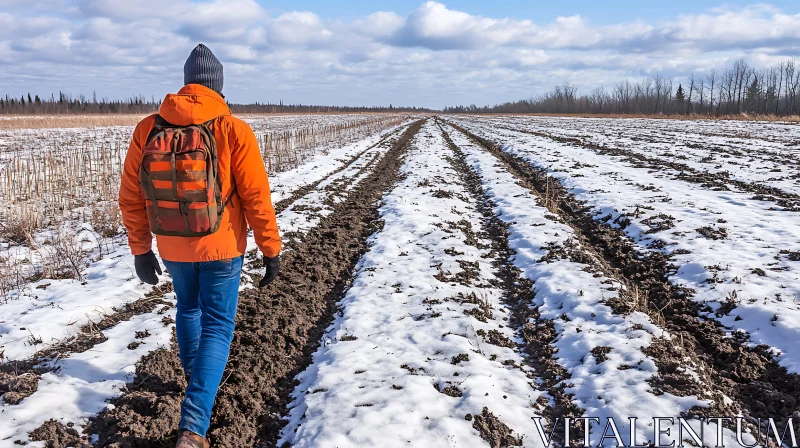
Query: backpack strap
{"points": [[230, 197], [208, 125], [160, 123]]}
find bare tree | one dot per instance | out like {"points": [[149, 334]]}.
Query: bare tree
{"points": [[712, 79]]}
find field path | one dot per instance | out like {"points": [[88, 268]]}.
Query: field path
{"points": [[99, 353], [277, 330]]}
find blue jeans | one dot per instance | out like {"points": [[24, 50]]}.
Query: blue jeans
{"points": [[208, 294]]}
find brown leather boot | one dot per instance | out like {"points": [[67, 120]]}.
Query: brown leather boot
{"points": [[188, 439]]}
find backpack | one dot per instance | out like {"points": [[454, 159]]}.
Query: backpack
{"points": [[179, 179]]}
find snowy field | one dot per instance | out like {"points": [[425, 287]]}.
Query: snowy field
{"points": [[522, 270]]}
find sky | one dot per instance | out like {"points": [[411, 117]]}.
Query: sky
{"points": [[403, 52]]}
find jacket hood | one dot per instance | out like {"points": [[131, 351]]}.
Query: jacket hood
{"points": [[193, 104]]}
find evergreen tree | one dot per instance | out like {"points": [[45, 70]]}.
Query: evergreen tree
{"points": [[680, 95], [752, 95]]}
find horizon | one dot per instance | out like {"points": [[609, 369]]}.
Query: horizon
{"points": [[410, 54]]}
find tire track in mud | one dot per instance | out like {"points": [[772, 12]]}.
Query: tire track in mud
{"points": [[717, 181], [20, 378], [335, 192], [519, 295], [758, 386], [283, 204], [277, 332]]}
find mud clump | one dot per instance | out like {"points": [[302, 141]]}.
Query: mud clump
{"points": [[712, 233], [659, 223], [277, 331], [494, 337], [483, 310], [443, 194], [55, 435], [493, 431], [451, 391], [148, 412], [463, 357], [15, 388], [600, 353], [481, 313]]}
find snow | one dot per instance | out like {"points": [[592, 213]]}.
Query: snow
{"points": [[52, 310], [306, 212], [765, 153], [85, 381], [378, 376], [768, 308], [362, 393], [571, 295], [392, 309]]}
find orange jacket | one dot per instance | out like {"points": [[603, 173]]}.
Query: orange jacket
{"points": [[239, 159]]}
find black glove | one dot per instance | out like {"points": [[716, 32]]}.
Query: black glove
{"points": [[273, 265], [146, 267]]}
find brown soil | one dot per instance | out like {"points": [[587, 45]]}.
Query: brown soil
{"points": [[495, 432], [16, 387], [20, 379], [55, 435], [304, 190], [278, 330], [716, 181], [450, 391], [600, 353], [749, 376], [536, 332]]}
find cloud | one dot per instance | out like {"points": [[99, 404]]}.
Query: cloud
{"points": [[219, 19], [435, 54]]}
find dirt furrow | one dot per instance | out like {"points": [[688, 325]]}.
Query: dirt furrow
{"points": [[277, 332], [717, 181], [537, 332], [304, 190], [18, 378], [758, 386]]}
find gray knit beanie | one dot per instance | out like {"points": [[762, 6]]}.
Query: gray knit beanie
{"points": [[203, 68]]}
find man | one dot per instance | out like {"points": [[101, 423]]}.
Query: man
{"points": [[194, 176]]}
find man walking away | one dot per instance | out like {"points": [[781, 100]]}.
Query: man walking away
{"points": [[195, 178]]}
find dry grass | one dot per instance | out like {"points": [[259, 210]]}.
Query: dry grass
{"points": [[45, 181], [54, 183], [285, 150], [105, 120], [67, 121], [737, 117]]}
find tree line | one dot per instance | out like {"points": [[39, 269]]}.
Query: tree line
{"points": [[742, 88], [66, 104]]}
